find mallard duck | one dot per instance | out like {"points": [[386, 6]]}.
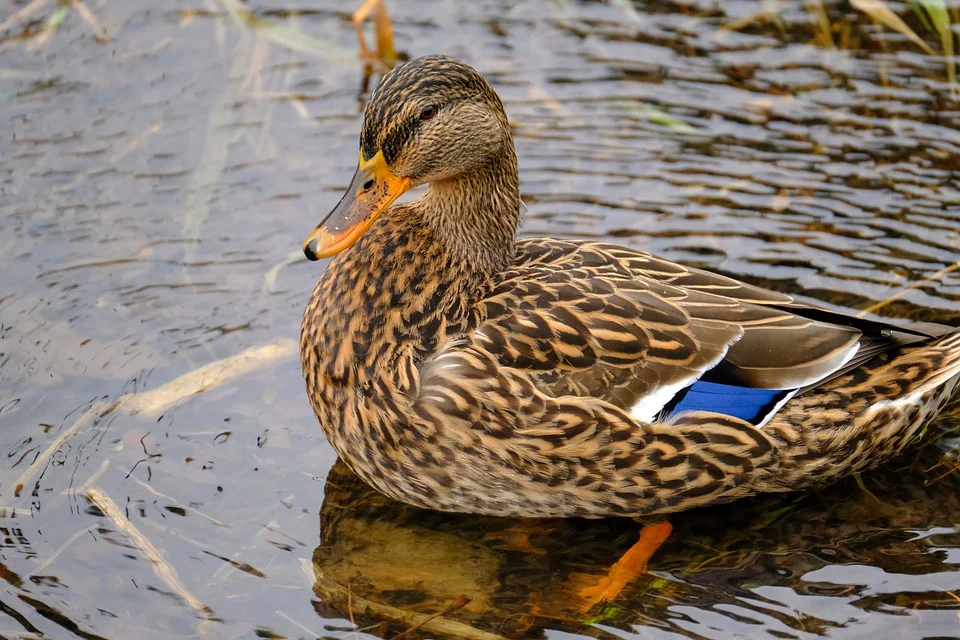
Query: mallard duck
{"points": [[455, 367]]}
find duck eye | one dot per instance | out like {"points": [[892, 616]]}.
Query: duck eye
{"points": [[428, 112]]}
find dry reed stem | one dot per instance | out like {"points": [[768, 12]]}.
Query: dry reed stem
{"points": [[948, 472], [434, 623], [160, 567], [87, 16], [746, 21], [219, 26], [386, 55], [383, 28], [56, 554], [822, 25], [138, 140], [162, 398], [301, 109], [89, 482], [310, 633], [459, 603], [915, 285], [208, 176], [270, 277], [156, 401], [22, 14], [146, 486], [9, 634], [96, 410], [957, 598]]}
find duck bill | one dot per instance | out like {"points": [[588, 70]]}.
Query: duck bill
{"points": [[373, 188]]}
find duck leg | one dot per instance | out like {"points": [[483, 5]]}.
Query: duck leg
{"points": [[630, 566], [386, 55]]}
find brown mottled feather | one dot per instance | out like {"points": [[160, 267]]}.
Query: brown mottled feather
{"points": [[455, 368]]}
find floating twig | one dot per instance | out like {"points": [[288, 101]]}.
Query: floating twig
{"points": [[435, 623], [138, 140], [46, 563], [915, 285], [22, 14], [459, 603], [149, 488], [158, 400], [99, 33], [97, 410], [270, 277], [161, 568]]}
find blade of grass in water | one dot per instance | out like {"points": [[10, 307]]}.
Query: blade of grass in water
{"points": [[821, 23], [773, 9], [880, 12], [285, 35], [14, 74], [206, 180], [937, 11], [53, 22], [246, 64], [921, 16], [304, 43], [56, 18], [656, 116], [270, 278], [219, 28]]}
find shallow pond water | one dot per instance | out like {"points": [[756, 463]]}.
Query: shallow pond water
{"points": [[154, 180]]}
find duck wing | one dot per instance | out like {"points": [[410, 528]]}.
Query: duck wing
{"points": [[656, 338]]}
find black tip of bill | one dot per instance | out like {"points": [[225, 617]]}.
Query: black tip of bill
{"points": [[310, 250]]}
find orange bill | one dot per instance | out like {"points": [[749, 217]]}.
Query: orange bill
{"points": [[373, 188]]}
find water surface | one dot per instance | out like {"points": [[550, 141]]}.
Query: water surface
{"points": [[153, 181]]}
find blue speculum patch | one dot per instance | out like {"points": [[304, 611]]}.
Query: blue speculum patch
{"points": [[752, 405]]}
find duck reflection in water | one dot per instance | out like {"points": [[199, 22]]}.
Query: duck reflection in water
{"points": [[392, 568], [384, 560]]}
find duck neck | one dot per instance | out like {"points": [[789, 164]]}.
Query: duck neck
{"points": [[411, 281], [476, 215]]}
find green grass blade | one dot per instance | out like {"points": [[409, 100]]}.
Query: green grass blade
{"points": [[285, 35], [297, 40], [56, 18], [880, 12], [921, 15], [656, 116], [940, 17]]}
